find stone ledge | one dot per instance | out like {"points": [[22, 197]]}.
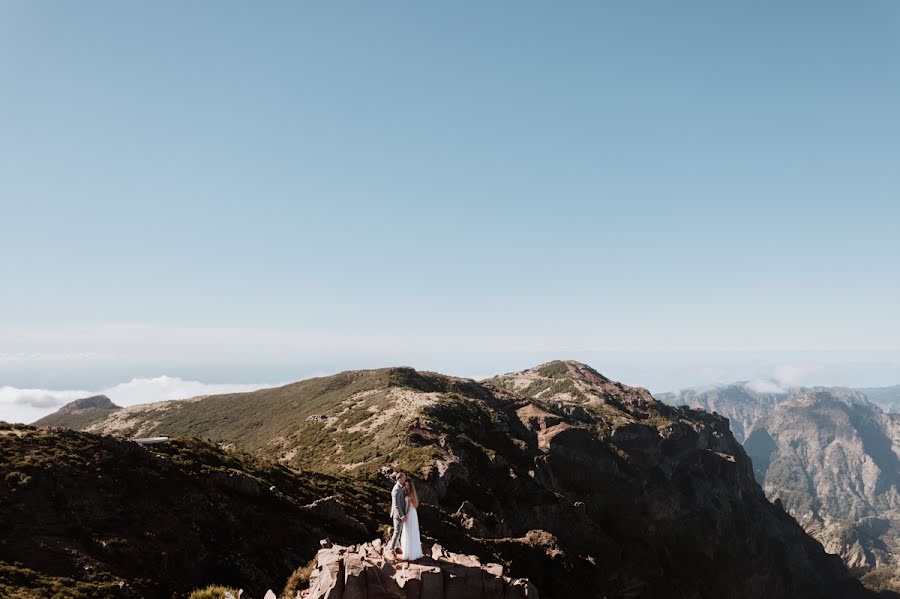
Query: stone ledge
{"points": [[362, 572]]}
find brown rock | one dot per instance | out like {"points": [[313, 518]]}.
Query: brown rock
{"points": [[432, 583], [354, 577], [381, 583], [360, 572]]}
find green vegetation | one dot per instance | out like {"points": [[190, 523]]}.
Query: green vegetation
{"points": [[78, 420], [212, 592], [547, 388], [554, 369], [885, 578], [218, 515], [24, 583], [305, 424], [299, 580]]}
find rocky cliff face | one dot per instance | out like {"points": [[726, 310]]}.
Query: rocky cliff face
{"points": [[632, 497], [361, 572], [833, 459]]}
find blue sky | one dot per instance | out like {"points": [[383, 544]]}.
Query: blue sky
{"points": [[245, 193]]}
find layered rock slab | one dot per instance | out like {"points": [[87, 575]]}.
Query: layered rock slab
{"points": [[363, 572]]}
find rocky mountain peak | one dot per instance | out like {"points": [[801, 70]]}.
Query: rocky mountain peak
{"points": [[569, 381], [571, 369], [94, 402]]}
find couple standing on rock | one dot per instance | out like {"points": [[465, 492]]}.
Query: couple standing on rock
{"points": [[405, 537]]}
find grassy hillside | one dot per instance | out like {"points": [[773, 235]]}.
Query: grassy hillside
{"points": [[352, 422], [89, 516], [76, 421]]}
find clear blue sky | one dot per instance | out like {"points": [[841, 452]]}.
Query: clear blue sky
{"points": [[253, 191]]}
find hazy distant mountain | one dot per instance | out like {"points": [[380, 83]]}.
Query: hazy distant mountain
{"points": [[80, 413], [586, 486], [887, 398], [746, 402], [833, 459], [829, 454], [738, 402]]}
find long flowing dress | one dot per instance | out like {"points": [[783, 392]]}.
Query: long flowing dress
{"points": [[409, 539]]}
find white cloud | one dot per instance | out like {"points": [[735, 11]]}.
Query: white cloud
{"points": [[160, 388], [37, 398], [786, 377], [795, 375], [27, 405], [765, 386]]}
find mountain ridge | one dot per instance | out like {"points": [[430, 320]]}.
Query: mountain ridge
{"points": [[580, 483]]}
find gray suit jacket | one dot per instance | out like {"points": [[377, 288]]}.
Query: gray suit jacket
{"points": [[398, 501]]}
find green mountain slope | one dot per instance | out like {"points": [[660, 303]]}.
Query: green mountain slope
{"points": [[80, 413]]}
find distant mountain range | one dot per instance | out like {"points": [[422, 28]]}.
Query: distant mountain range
{"points": [[738, 402], [586, 486], [831, 456], [887, 398], [743, 403]]}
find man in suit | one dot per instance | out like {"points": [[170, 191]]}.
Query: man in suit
{"points": [[398, 512]]}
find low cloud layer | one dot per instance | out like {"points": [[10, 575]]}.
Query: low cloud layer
{"points": [[36, 398], [787, 377], [27, 405]]}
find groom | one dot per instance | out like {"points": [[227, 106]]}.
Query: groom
{"points": [[398, 511]]}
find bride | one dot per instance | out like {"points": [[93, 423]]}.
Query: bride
{"points": [[409, 538]]}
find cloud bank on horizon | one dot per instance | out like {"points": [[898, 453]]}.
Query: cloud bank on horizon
{"points": [[28, 405]]}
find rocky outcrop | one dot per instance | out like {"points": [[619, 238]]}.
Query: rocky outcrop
{"points": [[80, 413], [362, 572], [635, 498], [95, 402]]}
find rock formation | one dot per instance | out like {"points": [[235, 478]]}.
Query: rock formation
{"points": [[80, 413], [362, 572]]}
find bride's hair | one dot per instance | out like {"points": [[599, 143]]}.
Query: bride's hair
{"points": [[413, 498]]}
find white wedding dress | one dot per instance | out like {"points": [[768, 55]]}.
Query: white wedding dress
{"points": [[410, 542]]}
